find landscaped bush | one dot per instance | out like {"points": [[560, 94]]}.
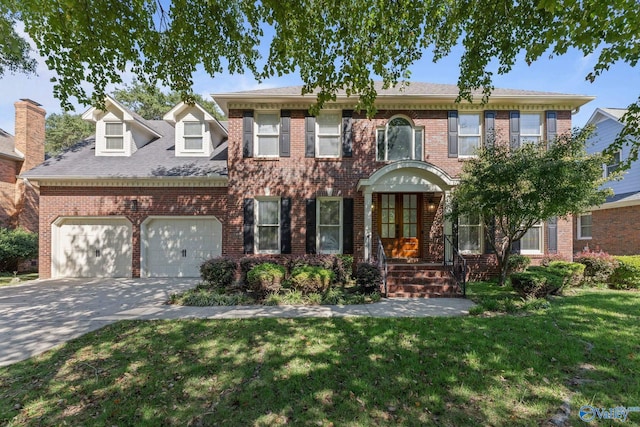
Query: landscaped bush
{"points": [[219, 272], [517, 263], [265, 278], [549, 258], [368, 277], [16, 246], [536, 282], [247, 263], [599, 266], [572, 272], [347, 265], [308, 279], [627, 273]]}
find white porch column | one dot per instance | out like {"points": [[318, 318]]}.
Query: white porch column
{"points": [[448, 227], [368, 237]]}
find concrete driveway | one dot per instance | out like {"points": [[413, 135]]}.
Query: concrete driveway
{"points": [[41, 314]]}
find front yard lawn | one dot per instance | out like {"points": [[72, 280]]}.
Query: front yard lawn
{"points": [[463, 371], [7, 278]]}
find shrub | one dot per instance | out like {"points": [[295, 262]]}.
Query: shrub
{"points": [[248, 262], [571, 272], [334, 263], [549, 258], [219, 272], [627, 274], [368, 277], [266, 277], [536, 282], [517, 263], [16, 246], [599, 266], [347, 265], [308, 279]]}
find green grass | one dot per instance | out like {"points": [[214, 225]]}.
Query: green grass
{"points": [[6, 278], [462, 371]]}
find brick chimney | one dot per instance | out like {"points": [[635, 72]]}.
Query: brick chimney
{"points": [[29, 133]]}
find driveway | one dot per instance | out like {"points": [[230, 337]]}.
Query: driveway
{"points": [[41, 314]]}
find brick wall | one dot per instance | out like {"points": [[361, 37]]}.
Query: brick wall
{"points": [[8, 172], [58, 202], [616, 231]]}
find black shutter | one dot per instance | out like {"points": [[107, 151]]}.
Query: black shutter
{"points": [[552, 126], [453, 133], [247, 232], [515, 247], [347, 226], [491, 235], [347, 133], [489, 128], [285, 225], [247, 133], [552, 232], [310, 240], [310, 136], [514, 129], [285, 133]]}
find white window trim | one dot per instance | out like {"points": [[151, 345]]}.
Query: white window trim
{"points": [[540, 249], [318, 225], [107, 137], [607, 173], [540, 129], [339, 135], [185, 137], [579, 231], [413, 140], [256, 140], [256, 227], [479, 135], [481, 226]]}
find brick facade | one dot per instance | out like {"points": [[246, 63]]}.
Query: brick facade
{"points": [[615, 231]]}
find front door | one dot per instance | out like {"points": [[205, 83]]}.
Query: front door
{"points": [[399, 225]]}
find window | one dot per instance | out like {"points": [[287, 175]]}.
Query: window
{"points": [[328, 134], [399, 141], [193, 132], [329, 226], [470, 234], [585, 223], [268, 226], [267, 134], [531, 242], [530, 128], [114, 135], [613, 166], [468, 134]]}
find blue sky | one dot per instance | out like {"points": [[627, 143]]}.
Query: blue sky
{"points": [[617, 87]]}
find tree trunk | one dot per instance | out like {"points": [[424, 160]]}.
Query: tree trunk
{"points": [[503, 263]]}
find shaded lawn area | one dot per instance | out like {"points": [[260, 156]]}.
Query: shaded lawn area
{"points": [[6, 278], [502, 371]]}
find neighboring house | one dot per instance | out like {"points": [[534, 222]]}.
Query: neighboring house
{"points": [[155, 198], [18, 154], [612, 227]]}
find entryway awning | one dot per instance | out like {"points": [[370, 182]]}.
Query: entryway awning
{"points": [[408, 176]]}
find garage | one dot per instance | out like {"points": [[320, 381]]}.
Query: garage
{"points": [[177, 246], [91, 247]]}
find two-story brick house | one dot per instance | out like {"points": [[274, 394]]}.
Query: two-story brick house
{"points": [[293, 183]]}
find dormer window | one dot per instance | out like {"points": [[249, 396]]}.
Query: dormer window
{"points": [[114, 136], [193, 136]]}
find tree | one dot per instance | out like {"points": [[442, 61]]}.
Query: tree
{"points": [[62, 131], [333, 45], [14, 50], [514, 189]]}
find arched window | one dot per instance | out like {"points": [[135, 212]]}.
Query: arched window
{"points": [[399, 140]]}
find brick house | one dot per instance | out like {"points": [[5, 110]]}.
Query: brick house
{"points": [[163, 195], [18, 154], [611, 227]]}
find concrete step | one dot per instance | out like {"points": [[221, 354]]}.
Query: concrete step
{"points": [[423, 291]]}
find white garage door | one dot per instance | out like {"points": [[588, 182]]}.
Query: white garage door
{"points": [[91, 247], [175, 247]]}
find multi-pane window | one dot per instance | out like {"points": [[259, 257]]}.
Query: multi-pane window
{"points": [[613, 166], [388, 216], [114, 135], [470, 234], [267, 134], [530, 128], [193, 135], [329, 226], [328, 126], [585, 223], [531, 242], [399, 141], [267, 236], [469, 138]]}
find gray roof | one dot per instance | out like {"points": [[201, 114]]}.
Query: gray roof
{"points": [[7, 146], [155, 159], [616, 112], [624, 197]]}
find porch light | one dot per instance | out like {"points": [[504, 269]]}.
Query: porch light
{"points": [[329, 191], [431, 206]]}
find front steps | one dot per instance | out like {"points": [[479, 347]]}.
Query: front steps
{"points": [[420, 280]]}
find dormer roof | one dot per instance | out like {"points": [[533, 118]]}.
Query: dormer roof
{"points": [[93, 115]]}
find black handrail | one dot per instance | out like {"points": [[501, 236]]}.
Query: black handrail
{"points": [[381, 262], [456, 263]]}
